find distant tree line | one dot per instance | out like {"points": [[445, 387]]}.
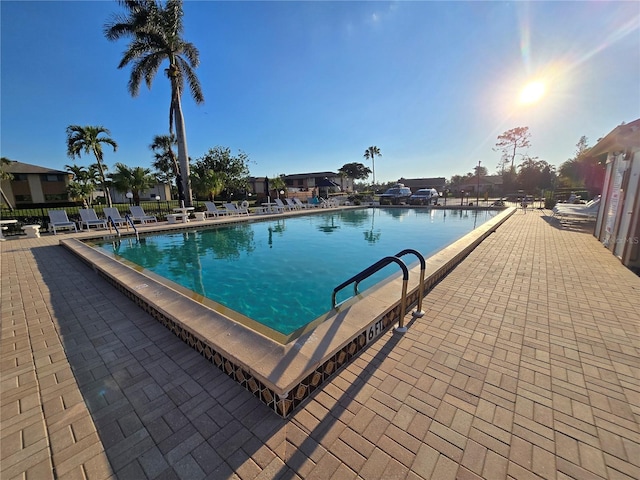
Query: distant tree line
{"points": [[531, 174]]}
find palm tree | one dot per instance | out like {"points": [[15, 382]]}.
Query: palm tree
{"points": [[207, 182], [88, 140], [134, 180], [166, 161], [156, 36], [370, 153], [82, 184], [277, 184]]}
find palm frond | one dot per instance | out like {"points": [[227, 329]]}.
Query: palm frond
{"points": [[192, 79]]}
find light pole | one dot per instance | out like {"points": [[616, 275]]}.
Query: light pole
{"points": [[158, 200], [478, 189], [461, 197], [129, 195]]}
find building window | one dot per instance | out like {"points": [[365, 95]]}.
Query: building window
{"points": [[53, 197], [19, 177], [52, 178], [23, 198]]}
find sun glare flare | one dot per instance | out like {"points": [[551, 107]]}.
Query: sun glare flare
{"points": [[532, 93]]}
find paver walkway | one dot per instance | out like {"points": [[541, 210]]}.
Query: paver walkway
{"points": [[526, 365]]}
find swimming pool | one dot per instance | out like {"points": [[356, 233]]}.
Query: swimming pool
{"points": [[283, 371], [281, 273]]}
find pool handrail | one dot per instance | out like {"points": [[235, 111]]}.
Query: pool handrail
{"points": [[111, 222], [423, 267], [133, 225], [370, 270]]}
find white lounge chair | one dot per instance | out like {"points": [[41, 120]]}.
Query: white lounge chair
{"points": [[299, 203], [577, 212], [88, 218], [59, 221], [112, 214], [573, 207], [292, 205], [213, 211], [138, 215], [233, 209], [281, 206]]}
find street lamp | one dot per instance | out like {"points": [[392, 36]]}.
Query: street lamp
{"points": [[129, 195], [461, 197], [158, 200]]}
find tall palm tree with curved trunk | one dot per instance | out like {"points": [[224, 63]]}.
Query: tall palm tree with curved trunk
{"points": [[156, 35], [89, 140], [370, 153]]}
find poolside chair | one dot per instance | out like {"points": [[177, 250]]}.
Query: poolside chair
{"points": [[573, 207], [299, 203], [233, 209], [575, 213], [89, 218], [137, 214], [316, 202], [565, 209], [281, 206], [330, 203], [59, 220], [213, 211], [292, 205], [114, 215]]}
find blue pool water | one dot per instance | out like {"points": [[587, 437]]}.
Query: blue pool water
{"points": [[281, 272]]}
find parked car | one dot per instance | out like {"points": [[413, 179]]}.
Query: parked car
{"points": [[396, 195], [424, 196]]}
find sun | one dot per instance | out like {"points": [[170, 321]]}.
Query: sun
{"points": [[532, 92]]}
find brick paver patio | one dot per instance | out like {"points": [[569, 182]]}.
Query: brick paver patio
{"points": [[525, 365]]}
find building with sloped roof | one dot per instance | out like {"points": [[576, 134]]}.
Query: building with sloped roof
{"points": [[32, 184], [304, 184]]}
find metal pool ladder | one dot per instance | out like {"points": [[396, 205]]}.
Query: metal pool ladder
{"points": [[379, 265], [129, 222]]}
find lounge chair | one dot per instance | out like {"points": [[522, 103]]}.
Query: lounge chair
{"points": [[324, 203], [137, 214], [577, 212], [112, 214], [89, 218], [299, 203], [233, 209], [292, 205], [213, 211], [59, 220], [281, 206], [316, 202], [569, 207]]}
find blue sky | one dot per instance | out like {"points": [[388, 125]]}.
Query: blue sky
{"points": [[308, 86]]}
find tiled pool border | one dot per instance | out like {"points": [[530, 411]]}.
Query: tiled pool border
{"points": [[280, 376]]}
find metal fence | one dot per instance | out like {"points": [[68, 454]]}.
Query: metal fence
{"points": [[39, 216]]}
